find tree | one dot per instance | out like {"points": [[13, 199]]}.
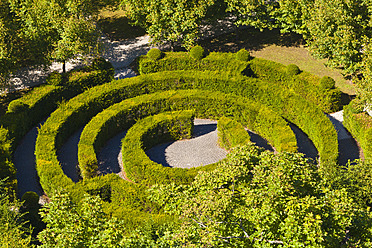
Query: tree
{"points": [[16, 48], [13, 230], [62, 30], [259, 199], [83, 225], [337, 31], [169, 20], [256, 13]]}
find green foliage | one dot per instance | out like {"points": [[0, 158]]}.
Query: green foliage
{"points": [[151, 131], [13, 230], [337, 31], [101, 64], [293, 69], [169, 20], [359, 124], [197, 52], [68, 118], [303, 84], [24, 113], [17, 106], [259, 199], [226, 62], [55, 78], [83, 225], [243, 55], [231, 133], [154, 54], [327, 83]]}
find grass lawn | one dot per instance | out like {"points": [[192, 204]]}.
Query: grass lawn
{"points": [[117, 27]]}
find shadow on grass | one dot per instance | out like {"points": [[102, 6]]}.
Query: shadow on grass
{"points": [[251, 39], [119, 28]]}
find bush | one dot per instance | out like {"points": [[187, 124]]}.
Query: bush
{"points": [[101, 64], [197, 52], [293, 69], [225, 62], [55, 78], [17, 106], [31, 200], [154, 54], [327, 83], [231, 133], [243, 55]]}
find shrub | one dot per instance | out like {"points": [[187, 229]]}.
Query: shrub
{"points": [[243, 55], [55, 78], [293, 69], [154, 54], [197, 52], [17, 106], [327, 83], [231, 133], [100, 64], [31, 200]]}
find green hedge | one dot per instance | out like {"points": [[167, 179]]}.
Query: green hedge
{"points": [[101, 128], [149, 132], [78, 111], [183, 61], [359, 125], [306, 115], [26, 112], [231, 133], [304, 84], [75, 113]]}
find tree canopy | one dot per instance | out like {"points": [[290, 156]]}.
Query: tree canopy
{"points": [[259, 199]]}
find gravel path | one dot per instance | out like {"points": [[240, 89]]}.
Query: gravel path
{"points": [[348, 147]]}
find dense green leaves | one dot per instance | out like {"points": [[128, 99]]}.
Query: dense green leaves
{"points": [[166, 20], [259, 199], [83, 225]]}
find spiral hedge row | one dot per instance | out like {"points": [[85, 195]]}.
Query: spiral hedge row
{"points": [[255, 93]]}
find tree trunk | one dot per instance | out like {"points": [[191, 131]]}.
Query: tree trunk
{"points": [[64, 67]]}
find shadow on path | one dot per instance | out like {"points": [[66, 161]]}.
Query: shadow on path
{"points": [[109, 156], [347, 146], [68, 156], [24, 161], [304, 144]]}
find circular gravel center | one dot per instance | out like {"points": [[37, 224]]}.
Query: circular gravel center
{"points": [[201, 150]]}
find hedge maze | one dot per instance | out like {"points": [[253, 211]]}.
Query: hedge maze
{"points": [[159, 105]]}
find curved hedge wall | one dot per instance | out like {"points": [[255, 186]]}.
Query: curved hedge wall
{"points": [[306, 115], [36, 105], [121, 116], [304, 84], [78, 111], [149, 132], [359, 125]]}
